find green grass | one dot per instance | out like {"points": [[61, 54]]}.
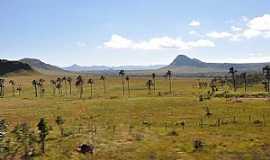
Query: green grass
{"points": [[143, 122]]}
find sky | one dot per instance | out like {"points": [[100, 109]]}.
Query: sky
{"points": [[134, 32]]}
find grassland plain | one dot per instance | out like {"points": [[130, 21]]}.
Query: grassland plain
{"points": [[143, 126]]}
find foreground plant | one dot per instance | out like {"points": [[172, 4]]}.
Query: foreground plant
{"points": [[43, 133]]}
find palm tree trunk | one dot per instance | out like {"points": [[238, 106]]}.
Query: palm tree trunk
{"points": [[104, 86], [245, 85], [36, 92], [81, 91], [170, 85], [234, 82], [128, 88], [154, 80], [69, 88], [91, 90], [123, 86]]}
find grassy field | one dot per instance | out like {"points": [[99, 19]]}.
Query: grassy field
{"points": [[143, 126]]}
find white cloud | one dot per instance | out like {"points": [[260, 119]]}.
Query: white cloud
{"points": [[195, 23], [218, 35], [244, 18], [119, 42], [260, 23], [251, 33]]}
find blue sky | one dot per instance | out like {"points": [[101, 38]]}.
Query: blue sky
{"points": [[129, 32]]}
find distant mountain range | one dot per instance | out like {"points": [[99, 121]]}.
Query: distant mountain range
{"points": [[77, 68], [181, 65]]}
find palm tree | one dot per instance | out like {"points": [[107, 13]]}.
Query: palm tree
{"points": [[59, 85], [233, 71], [266, 73], [79, 83], [64, 79], [127, 79], [154, 81], [53, 83], [34, 83], [104, 83], [12, 83], [149, 85], [169, 76], [69, 80], [244, 76], [2, 87], [122, 74], [91, 82]]}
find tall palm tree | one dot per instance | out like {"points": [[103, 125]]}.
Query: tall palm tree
{"points": [[244, 76], [127, 79], [266, 73], [122, 75], [104, 83], [2, 87], [64, 79], [149, 85], [34, 83], [233, 71], [79, 83], [169, 76], [12, 83], [154, 81], [69, 80], [59, 85], [91, 82], [53, 83]]}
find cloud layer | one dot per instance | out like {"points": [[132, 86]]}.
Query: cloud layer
{"points": [[119, 42]]}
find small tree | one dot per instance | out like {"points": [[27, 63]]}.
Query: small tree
{"points": [[59, 85], [43, 133], [104, 83], [69, 80], [127, 79], [154, 81], [122, 75], [60, 122], [169, 76], [34, 83]]}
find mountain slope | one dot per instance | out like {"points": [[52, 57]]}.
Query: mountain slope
{"points": [[8, 67], [43, 67]]}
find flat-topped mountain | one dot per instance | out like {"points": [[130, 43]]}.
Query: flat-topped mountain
{"points": [[184, 64]]}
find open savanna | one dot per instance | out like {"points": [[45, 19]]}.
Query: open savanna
{"points": [[142, 126]]}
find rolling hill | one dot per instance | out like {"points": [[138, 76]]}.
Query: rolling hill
{"points": [[8, 67], [42, 67]]}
